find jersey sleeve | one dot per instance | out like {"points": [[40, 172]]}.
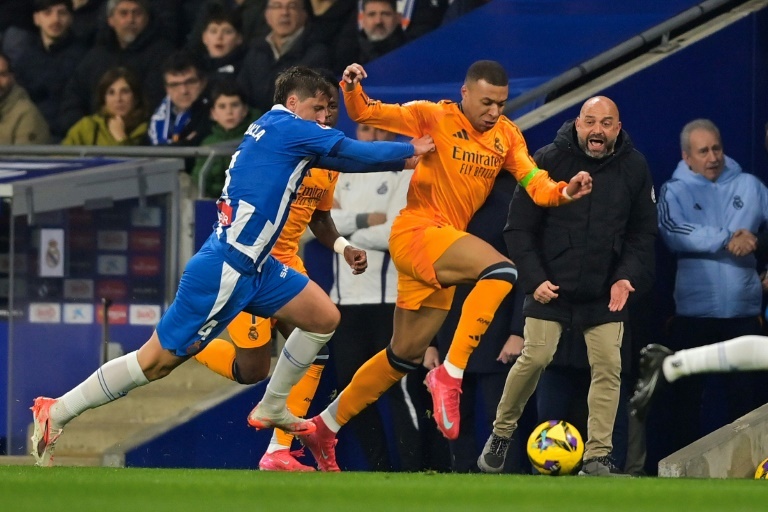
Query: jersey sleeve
{"points": [[411, 119], [326, 203], [543, 190]]}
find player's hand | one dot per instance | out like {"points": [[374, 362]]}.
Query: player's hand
{"points": [[580, 185], [545, 292], [511, 349], [431, 358], [423, 145], [742, 243], [619, 294], [353, 74], [356, 258]]}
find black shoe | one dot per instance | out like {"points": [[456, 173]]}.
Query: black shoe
{"points": [[651, 377], [494, 453], [600, 466]]}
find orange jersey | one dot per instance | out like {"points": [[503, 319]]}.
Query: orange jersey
{"points": [[450, 184], [315, 193]]}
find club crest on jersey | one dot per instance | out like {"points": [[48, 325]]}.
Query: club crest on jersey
{"points": [[738, 203], [497, 145]]}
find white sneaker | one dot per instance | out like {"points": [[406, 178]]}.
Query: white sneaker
{"points": [[260, 418], [44, 437]]}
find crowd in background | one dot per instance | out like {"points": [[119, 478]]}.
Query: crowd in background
{"points": [[141, 72]]}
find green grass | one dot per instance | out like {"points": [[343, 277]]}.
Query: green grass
{"points": [[64, 489]]}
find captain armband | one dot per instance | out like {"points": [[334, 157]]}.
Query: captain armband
{"points": [[340, 244]]}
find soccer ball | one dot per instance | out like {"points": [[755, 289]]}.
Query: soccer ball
{"points": [[555, 448], [762, 471]]}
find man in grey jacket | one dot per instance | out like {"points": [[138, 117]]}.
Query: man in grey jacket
{"points": [[578, 265]]}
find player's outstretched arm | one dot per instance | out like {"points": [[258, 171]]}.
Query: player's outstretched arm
{"points": [[579, 186]]}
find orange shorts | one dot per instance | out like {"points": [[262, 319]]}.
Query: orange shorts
{"points": [[251, 331], [415, 244]]}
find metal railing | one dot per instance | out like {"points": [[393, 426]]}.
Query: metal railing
{"points": [[208, 152], [659, 33]]}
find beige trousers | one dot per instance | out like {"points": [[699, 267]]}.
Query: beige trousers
{"points": [[604, 353]]}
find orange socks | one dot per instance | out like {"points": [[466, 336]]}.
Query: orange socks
{"points": [[218, 356], [476, 315], [369, 382]]}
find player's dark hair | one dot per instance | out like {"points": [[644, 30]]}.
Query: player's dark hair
{"points": [[301, 81], [488, 70], [330, 77]]}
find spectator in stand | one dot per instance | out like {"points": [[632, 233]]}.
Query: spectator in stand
{"points": [[45, 63], [381, 30], [120, 118], [20, 120], [132, 41], [221, 44], [286, 45], [231, 117], [250, 12], [183, 117]]}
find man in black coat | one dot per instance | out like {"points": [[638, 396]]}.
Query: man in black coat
{"points": [[578, 265]]}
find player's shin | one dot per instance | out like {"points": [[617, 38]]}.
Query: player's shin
{"points": [[376, 376], [110, 382], [299, 351], [300, 398], [478, 311]]}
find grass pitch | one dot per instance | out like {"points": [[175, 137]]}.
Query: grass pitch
{"points": [[87, 489]]}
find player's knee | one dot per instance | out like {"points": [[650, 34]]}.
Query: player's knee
{"points": [[251, 373], [403, 364], [327, 323], [502, 271]]}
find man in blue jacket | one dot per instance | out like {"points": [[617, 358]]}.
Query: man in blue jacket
{"points": [[709, 213]]}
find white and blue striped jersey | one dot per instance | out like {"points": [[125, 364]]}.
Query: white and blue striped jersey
{"points": [[263, 177], [267, 169]]}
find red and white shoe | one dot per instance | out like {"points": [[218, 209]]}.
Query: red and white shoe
{"points": [[44, 436], [322, 444], [259, 418], [283, 460], [445, 401]]}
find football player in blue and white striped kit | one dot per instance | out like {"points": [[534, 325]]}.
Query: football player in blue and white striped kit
{"points": [[234, 270]]}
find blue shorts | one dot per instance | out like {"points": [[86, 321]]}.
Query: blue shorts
{"points": [[211, 293]]}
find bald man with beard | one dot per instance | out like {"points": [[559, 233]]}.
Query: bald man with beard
{"points": [[578, 266]]}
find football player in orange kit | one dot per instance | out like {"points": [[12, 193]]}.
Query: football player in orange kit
{"points": [[474, 141]]}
